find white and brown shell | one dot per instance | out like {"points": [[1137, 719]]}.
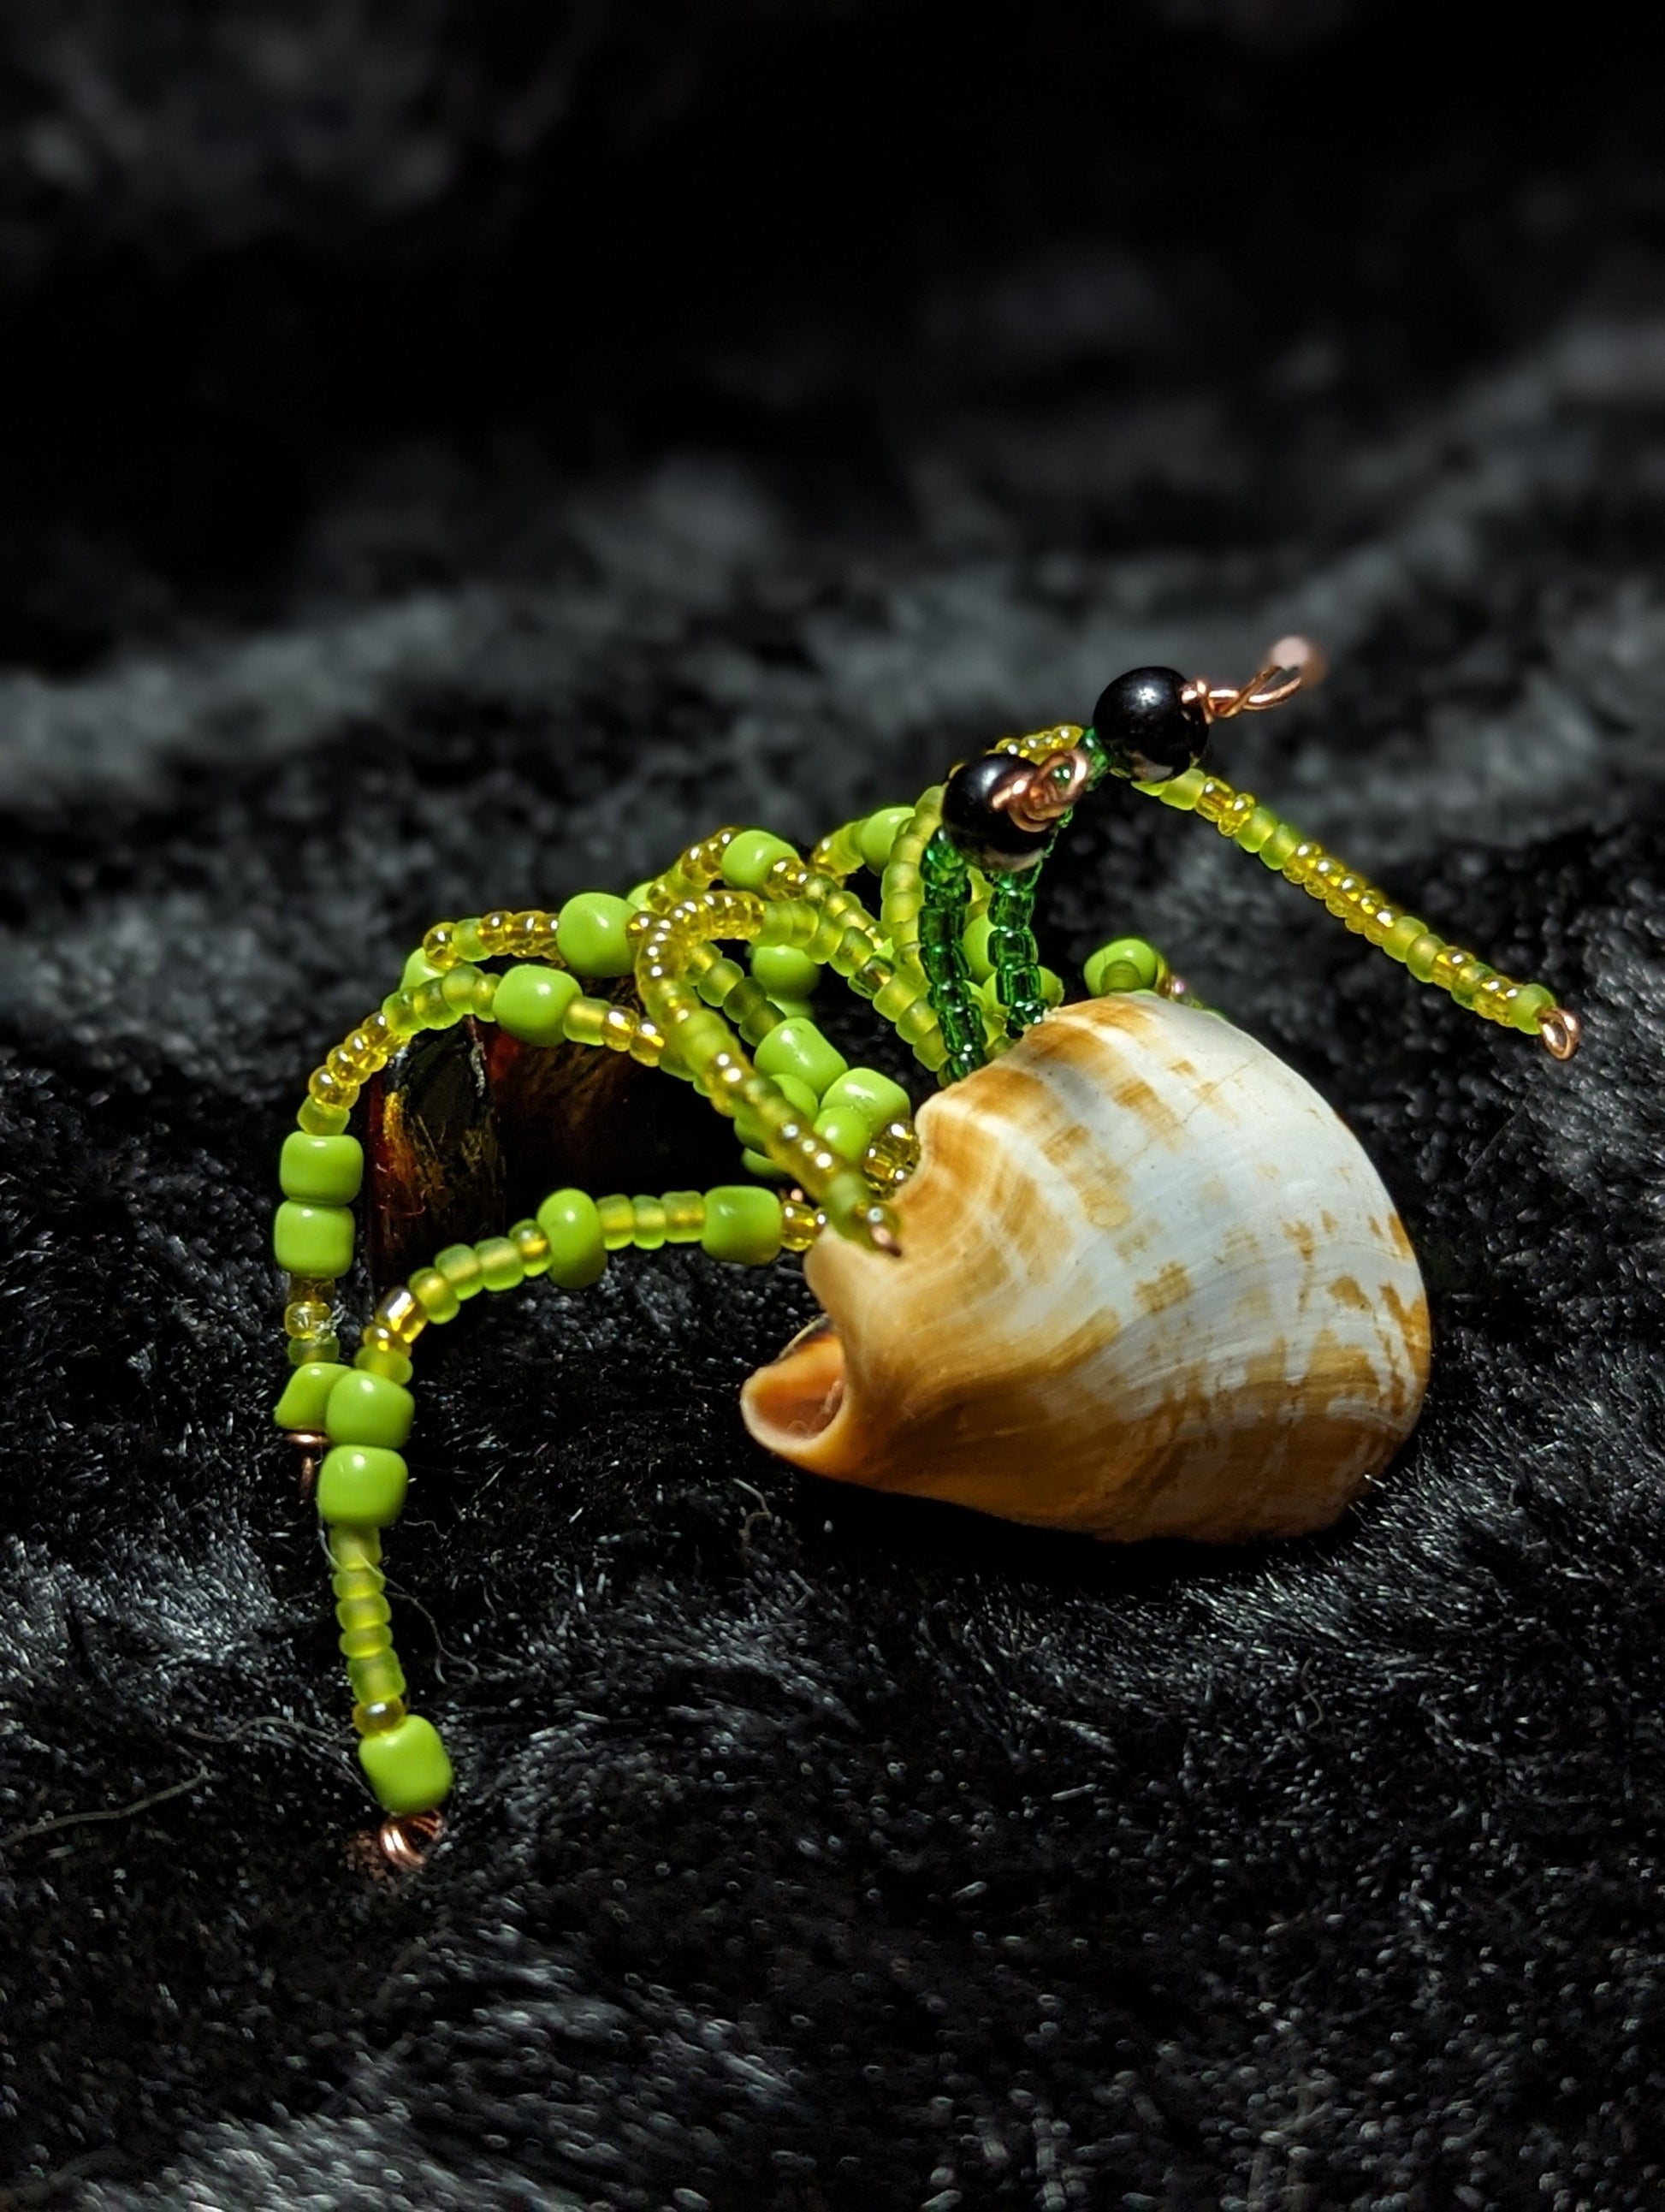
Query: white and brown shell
{"points": [[1151, 1286]]}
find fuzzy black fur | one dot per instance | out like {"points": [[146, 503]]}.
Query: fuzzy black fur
{"points": [[460, 458]]}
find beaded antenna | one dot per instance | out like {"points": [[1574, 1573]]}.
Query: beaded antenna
{"points": [[1195, 1201]]}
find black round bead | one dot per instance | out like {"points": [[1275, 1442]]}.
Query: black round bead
{"points": [[989, 836], [1149, 730]]}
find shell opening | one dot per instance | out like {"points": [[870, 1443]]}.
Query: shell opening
{"points": [[797, 1397]]}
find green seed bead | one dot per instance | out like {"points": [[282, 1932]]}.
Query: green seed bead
{"points": [[897, 995], [1422, 953], [879, 833], [303, 1351], [798, 1047], [798, 1095], [578, 1255], [500, 1266], [406, 1766], [648, 1223], [364, 1484], [1403, 935], [321, 1170], [1252, 835], [759, 1163], [617, 1218], [357, 1614], [391, 1366], [1528, 1002], [591, 934], [685, 1216], [376, 1678], [533, 1247], [584, 1021], [751, 856], [742, 1225], [1180, 791], [845, 1129], [434, 1295], [1051, 986], [312, 1240], [320, 1120], [783, 972], [368, 1642], [637, 897], [430, 1005], [1279, 845], [418, 969], [873, 1095], [367, 1409], [1143, 960], [532, 1003], [306, 1394], [460, 1266]]}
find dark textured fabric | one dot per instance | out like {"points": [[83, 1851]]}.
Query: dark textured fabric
{"points": [[458, 457]]}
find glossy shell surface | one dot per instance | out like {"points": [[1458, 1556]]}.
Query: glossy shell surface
{"points": [[1151, 1286]]}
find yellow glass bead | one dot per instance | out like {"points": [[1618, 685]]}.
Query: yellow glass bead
{"points": [[400, 1314], [383, 1359], [1494, 998], [1213, 799], [647, 1045], [618, 1028], [307, 1317], [372, 1720], [319, 1120], [327, 1089], [495, 930], [430, 1003], [800, 1224], [439, 947], [1302, 860]]}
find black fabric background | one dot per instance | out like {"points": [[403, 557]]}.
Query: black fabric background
{"points": [[454, 457]]}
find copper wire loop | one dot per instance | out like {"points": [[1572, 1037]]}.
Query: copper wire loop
{"points": [[406, 1842], [1037, 796], [310, 1446], [1293, 664], [1561, 1031]]}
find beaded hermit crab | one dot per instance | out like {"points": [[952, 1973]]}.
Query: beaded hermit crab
{"points": [[1125, 1274]]}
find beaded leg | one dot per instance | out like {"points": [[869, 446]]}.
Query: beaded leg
{"points": [[942, 955]]}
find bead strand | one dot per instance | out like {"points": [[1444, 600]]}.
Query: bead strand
{"points": [[1355, 901], [1019, 982], [901, 889], [710, 1049], [942, 955]]}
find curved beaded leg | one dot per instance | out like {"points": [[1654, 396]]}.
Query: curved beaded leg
{"points": [[942, 956]]}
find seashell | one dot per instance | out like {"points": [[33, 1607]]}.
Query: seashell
{"points": [[1151, 1285]]}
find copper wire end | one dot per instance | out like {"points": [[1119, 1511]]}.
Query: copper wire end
{"points": [[1292, 664], [312, 1447], [1560, 1031], [405, 1842]]}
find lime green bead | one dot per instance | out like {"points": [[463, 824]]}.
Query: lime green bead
{"points": [[879, 833], [393, 1366], [533, 1248], [321, 1170], [436, 1298], [306, 1394], [974, 940], [1143, 963], [1528, 1002], [532, 1002], [501, 1267], [363, 1484], [312, 1240], [1254, 833], [1279, 845], [798, 1095], [742, 1225], [845, 1130], [406, 1766], [759, 1163], [784, 973], [1403, 935], [685, 1216], [873, 1095], [751, 856], [617, 1219], [460, 1266], [798, 1047], [637, 897], [577, 1253], [418, 969], [376, 1677], [1422, 953], [368, 1409], [590, 935], [648, 1224]]}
